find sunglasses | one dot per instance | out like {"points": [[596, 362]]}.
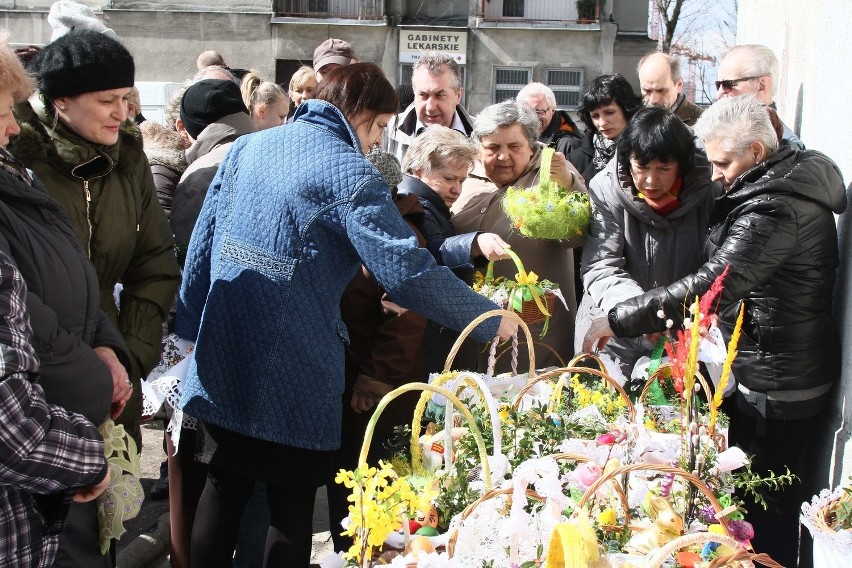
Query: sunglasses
{"points": [[729, 84]]}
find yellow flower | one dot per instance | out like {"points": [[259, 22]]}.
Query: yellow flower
{"points": [[607, 517]]}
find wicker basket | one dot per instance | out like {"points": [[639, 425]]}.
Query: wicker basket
{"points": [[625, 470], [531, 311], [740, 557], [454, 534], [831, 545]]}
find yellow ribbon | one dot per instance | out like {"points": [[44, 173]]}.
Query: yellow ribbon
{"points": [[526, 279]]}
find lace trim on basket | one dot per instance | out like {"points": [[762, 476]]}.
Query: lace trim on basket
{"points": [[165, 385], [811, 517]]}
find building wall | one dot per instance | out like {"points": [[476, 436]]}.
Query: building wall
{"points": [[813, 99], [165, 45], [490, 47], [166, 36]]}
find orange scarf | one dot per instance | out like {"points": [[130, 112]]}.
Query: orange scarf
{"points": [[668, 202]]}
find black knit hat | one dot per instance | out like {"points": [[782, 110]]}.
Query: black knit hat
{"points": [[80, 62], [207, 101]]}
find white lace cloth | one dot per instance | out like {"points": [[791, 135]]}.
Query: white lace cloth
{"points": [[165, 384], [832, 549]]}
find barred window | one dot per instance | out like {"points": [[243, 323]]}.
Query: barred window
{"points": [[508, 81], [567, 84]]}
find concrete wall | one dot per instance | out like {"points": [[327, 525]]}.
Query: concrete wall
{"points": [[631, 16], [489, 47], [244, 40], [262, 6], [811, 42]]}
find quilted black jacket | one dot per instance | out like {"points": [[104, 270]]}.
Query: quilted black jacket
{"points": [[775, 228], [62, 295]]}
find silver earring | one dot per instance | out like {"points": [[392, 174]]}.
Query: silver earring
{"points": [[61, 108]]}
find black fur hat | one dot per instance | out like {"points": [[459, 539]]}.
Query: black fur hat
{"points": [[80, 62]]}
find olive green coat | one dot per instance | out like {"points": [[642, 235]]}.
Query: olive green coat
{"points": [[109, 195]]}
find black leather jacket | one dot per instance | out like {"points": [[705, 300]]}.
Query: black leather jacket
{"points": [[775, 228]]}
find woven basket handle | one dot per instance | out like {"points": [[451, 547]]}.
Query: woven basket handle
{"points": [[459, 381], [451, 398], [448, 364], [609, 381], [615, 473], [544, 169]]}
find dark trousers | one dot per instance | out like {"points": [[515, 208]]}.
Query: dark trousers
{"points": [[79, 543], [217, 522], [187, 477], [292, 476], [775, 446]]}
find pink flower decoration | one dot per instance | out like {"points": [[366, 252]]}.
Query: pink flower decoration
{"points": [[605, 440], [587, 473]]}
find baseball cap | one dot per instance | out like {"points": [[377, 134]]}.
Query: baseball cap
{"points": [[333, 50]]}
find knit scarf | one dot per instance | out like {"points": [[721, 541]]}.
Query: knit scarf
{"points": [[604, 151]]}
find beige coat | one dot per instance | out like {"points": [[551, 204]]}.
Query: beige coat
{"points": [[479, 209]]}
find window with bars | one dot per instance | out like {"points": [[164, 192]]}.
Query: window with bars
{"points": [[567, 84], [304, 6], [509, 80], [513, 8]]}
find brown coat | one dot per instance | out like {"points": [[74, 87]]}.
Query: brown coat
{"points": [[686, 110], [385, 340], [479, 209]]}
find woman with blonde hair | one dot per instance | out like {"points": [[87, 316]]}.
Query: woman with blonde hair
{"points": [[303, 84], [266, 101], [436, 165]]}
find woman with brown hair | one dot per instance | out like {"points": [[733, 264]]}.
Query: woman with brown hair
{"points": [[291, 215]]}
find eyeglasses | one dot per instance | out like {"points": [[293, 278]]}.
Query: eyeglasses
{"points": [[729, 84], [541, 111]]}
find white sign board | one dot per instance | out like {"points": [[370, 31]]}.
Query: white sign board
{"points": [[414, 43]]}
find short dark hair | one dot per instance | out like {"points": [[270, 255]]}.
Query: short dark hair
{"points": [[655, 133], [604, 90], [358, 88]]}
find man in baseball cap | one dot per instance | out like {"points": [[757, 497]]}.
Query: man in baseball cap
{"points": [[330, 54]]}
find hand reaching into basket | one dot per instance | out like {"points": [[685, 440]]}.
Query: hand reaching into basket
{"points": [[598, 334], [491, 246]]}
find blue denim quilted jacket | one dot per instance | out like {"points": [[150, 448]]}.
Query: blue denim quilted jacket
{"points": [[289, 218]]}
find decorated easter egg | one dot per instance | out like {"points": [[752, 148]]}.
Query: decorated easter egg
{"points": [[427, 531], [428, 519]]}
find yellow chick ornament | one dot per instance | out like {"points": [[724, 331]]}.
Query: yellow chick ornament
{"points": [[666, 525]]}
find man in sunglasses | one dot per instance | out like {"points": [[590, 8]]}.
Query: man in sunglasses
{"points": [[752, 69]]}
